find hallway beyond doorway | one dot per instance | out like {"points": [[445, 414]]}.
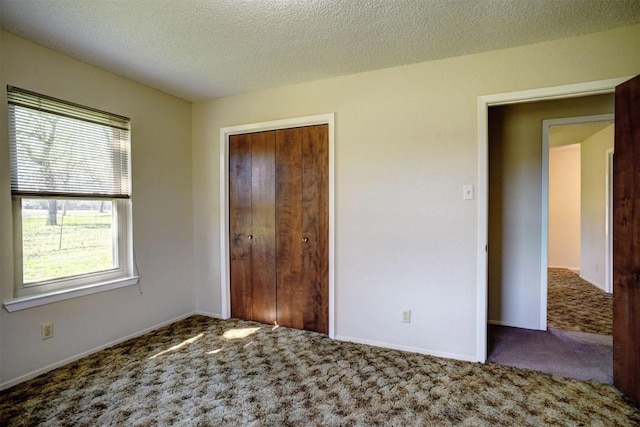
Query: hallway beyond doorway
{"points": [[571, 354]]}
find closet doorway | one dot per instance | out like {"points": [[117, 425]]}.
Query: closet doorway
{"points": [[278, 227], [277, 223]]}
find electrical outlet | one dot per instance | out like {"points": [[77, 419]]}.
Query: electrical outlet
{"points": [[46, 330], [406, 316]]}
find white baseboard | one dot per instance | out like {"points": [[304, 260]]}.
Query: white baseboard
{"points": [[68, 360], [593, 282], [512, 325], [209, 314], [570, 268], [428, 352], [33, 374], [565, 267]]}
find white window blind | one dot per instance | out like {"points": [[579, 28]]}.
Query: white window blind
{"points": [[60, 149]]}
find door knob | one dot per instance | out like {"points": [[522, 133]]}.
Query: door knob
{"points": [[305, 239], [250, 236]]}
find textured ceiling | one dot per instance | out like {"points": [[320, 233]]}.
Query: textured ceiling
{"points": [[200, 49]]}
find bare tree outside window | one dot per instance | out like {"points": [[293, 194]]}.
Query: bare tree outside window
{"points": [[49, 142], [74, 236], [38, 139], [71, 190]]}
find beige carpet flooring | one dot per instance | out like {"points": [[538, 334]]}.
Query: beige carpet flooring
{"points": [[578, 343], [570, 354], [203, 371], [574, 304]]}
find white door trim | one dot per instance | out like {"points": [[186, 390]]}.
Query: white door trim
{"points": [[484, 102], [225, 132], [608, 283]]}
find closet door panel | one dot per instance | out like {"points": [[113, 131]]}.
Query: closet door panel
{"points": [[240, 226], [315, 228], [289, 227], [263, 214], [278, 215]]}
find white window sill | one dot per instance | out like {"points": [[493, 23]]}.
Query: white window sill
{"points": [[30, 301]]}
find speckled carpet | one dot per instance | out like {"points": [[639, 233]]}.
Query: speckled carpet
{"points": [[574, 304], [203, 371]]}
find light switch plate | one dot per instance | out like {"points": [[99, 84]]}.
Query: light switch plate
{"points": [[467, 192]]}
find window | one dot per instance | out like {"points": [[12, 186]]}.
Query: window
{"points": [[71, 189]]}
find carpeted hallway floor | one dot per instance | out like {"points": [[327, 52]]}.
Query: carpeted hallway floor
{"points": [[203, 371], [573, 304], [570, 354], [578, 343]]}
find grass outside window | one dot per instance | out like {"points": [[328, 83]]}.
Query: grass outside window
{"points": [[80, 240]]}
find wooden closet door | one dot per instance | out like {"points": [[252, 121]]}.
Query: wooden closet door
{"points": [[252, 226], [302, 227]]}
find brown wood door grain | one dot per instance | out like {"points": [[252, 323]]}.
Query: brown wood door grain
{"points": [[279, 227], [302, 227], [263, 226], [626, 240], [289, 227], [240, 226], [315, 228], [252, 226]]}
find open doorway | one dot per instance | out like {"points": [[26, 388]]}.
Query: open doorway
{"points": [[578, 154], [519, 206]]}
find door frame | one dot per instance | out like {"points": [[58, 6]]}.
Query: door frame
{"points": [[544, 238], [484, 102], [225, 132], [609, 220]]}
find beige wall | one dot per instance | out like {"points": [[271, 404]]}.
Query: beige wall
{"points": [[406, 143], [515, 209], [564, 207], [593, 212], [162, 214]]}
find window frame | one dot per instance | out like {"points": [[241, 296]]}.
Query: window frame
{"points": [[120, 242], [47, 291]]}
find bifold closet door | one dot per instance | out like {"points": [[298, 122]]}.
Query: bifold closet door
{"points": [[252, 244], [279, 227], [302, 227]]}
